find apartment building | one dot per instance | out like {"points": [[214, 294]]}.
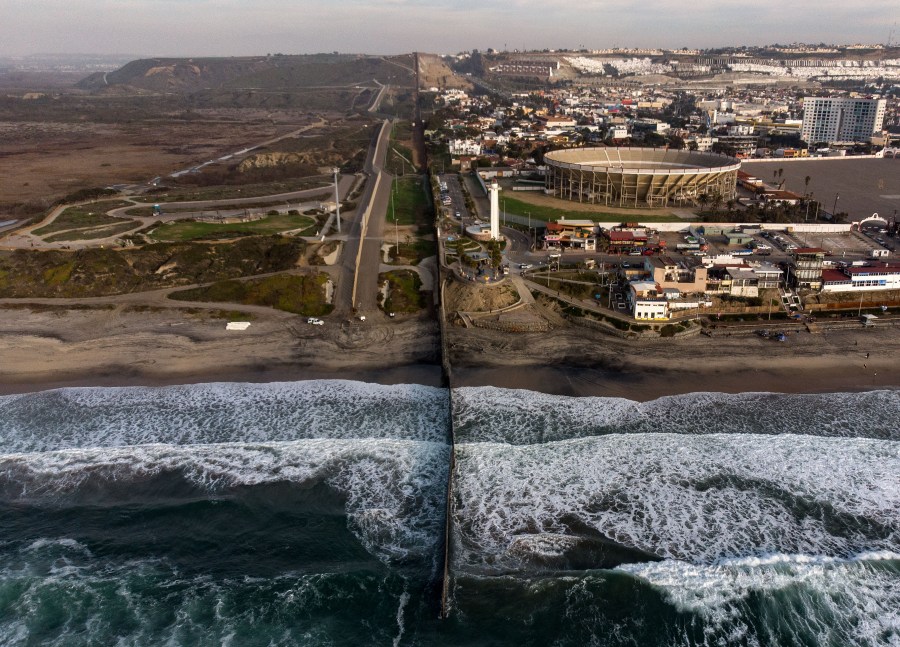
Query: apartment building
{"points": [[841, 119]]}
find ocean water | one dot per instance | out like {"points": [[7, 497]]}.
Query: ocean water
{"points": [[313, 513]]}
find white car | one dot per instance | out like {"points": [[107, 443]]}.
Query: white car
{"points": [[315, 322]]}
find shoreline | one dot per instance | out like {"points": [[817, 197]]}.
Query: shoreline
{"points": [[42, 351], [581, 382]]}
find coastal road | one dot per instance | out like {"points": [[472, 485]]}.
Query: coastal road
{"points": [[361, 256]]}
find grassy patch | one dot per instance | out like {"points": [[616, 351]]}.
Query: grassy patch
{"points": [[410, 204], [575, 290], [228, 192], [58, 274], [83, 217], [186, 230], [404, 293], [303, 295], [93, 233], [400, 136], [412, 252], [544, 213], [100, 272]]}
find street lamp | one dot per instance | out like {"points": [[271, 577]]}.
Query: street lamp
{"points": [[837, 197], [394, 215], [337, 199]]}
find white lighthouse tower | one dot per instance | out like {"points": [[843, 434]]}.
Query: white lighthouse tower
{"points": [[495, 210]]}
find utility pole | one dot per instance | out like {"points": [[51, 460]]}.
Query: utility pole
{"points": [[530, 239]]}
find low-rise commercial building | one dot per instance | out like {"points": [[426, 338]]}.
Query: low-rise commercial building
{"points": [[645, 302], [866, 278], [670, 274], [806, 267]]}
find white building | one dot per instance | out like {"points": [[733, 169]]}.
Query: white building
{"points": [[464, 147], [866, 278], [841, 119], [645, 302]]}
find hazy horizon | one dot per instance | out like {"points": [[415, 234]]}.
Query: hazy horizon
{"points": [[179, 28]]}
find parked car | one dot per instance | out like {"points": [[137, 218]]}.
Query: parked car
{"points": [[315, 322]]}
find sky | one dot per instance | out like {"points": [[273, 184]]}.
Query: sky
{"points": [[255, 27]]}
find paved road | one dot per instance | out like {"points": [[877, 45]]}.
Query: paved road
{"points": [[370, 258], [361, 256], [458, 200], [376, 104]]}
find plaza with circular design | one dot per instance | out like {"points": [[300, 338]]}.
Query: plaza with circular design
{"points": [[640, 177]]}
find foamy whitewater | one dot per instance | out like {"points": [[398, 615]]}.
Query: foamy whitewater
{"points": [[313, 513]]}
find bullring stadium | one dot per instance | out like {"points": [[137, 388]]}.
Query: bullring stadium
{"points": [[639, 177]]}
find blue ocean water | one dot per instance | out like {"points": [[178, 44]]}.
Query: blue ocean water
{"points": [[313, 513]]}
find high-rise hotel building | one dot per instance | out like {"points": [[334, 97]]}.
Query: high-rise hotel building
{"points": [[840, 119]]}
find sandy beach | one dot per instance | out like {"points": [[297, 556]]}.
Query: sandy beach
{"points": [[52, 348], [46, 348], [579, 362]]}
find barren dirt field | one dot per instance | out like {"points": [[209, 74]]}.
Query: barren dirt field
{"points": [[41, 160]]}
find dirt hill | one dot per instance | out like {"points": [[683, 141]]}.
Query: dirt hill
{"points": [[277, 72]]}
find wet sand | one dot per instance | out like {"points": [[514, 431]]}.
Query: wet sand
{"points": [[576, 363], [59, 348]]}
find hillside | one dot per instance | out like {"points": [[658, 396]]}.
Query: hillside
{"points": [[265, 73]]}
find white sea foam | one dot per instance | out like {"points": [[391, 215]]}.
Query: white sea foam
{"points": [[217, 413], [695, 498], [489, 414], [66, 543], [394, 489], [849, 601]]}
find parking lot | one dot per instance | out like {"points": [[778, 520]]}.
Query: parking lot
{"points": [[859, 187]]}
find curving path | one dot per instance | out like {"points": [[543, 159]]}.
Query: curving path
{"points": [[25, 238]]}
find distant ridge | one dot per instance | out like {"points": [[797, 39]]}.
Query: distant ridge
{"points": [[275, 72]]}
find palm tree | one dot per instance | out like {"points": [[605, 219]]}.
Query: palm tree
{"points": [[703, 199]]}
